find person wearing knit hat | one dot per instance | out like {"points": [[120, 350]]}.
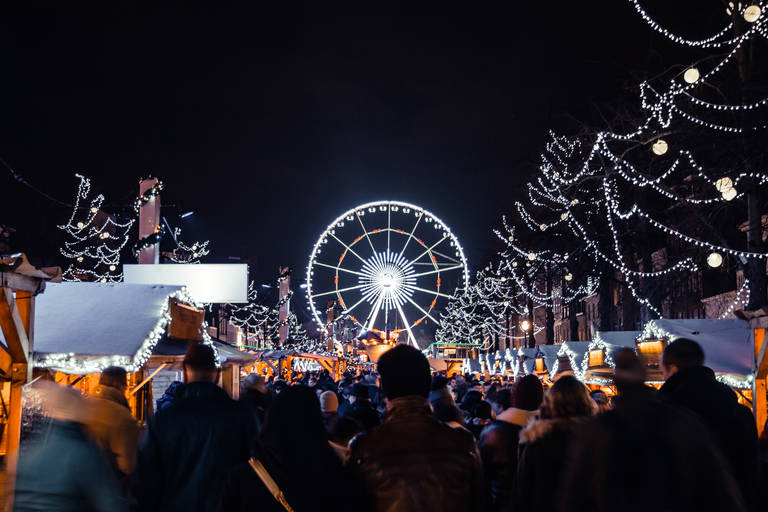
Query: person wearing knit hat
{"points": [[404, 464], [329, 407], [255, 396], [499, 441]]}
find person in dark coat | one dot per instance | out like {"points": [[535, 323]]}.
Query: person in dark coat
{"points": [[545, 443], [256, 396], [691, 385], [413, 462], [500, 440], [439, 392], [643, 453], [61, 469], [170, 395], [471, 399], [482, 415], [294, 449], [191, 445], [361, 408]]}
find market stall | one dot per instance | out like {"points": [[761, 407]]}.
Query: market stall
{"points": [[570, 359], [546, 362], [84, 327], [598, 362]]}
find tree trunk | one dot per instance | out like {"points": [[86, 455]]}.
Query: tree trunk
{"points": [[605, 303], [550, 327], [573, 311], [755, 267]]}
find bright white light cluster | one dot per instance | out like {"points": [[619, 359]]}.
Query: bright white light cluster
{"points": [[185, 253], [388, 279], [95, 239]]}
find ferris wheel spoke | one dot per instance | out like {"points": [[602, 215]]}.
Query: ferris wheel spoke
{"points": [[446, 269], [348, 248], [339, 290], [389, 226], [349, 310], [439, 294], [339, 268], [429, 249], [422, 310], [453, 260], [365, 232], [406, 324], [410, 235], [374, 313]]}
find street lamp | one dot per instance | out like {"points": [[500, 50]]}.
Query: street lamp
{"points": [[525, 325]]}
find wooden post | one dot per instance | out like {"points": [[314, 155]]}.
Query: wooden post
{"points": [[149, 221], [284, 288]]}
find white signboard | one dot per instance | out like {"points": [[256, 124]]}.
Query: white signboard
{"points": [[206, 282]]}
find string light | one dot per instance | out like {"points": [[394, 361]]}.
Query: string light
{"points": [[96, 252]]}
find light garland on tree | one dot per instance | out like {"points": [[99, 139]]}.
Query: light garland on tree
{"points": [[184, 253], [96, 239]]}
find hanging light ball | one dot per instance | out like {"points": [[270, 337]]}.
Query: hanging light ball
{"points": [[527, 263], [79, 259], [543, 227], [94, 210], [660, 147], [563, 215], [80, 225], [514, 263], [574, 202], [565, 257], [103, 279], [752, 13], [691, 75], [568, 276], [730, 194], [723, 184], [714, 259], [112, 267], [506, 303], [531, 256]]}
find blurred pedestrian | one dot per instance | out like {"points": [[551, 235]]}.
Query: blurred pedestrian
{"points": [[471, 399], [255, 396], [691, 385], [499, 441], [361, 408], [110, 422], [414, 462], [545, 443], [329, 407], [170, 395], [191, 445], [344, 430], [610, 456], [482, 414], [61, 469], [438, 391], [294, 452], [601, 401]]}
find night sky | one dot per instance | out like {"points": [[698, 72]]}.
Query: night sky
{"points": [[268, 121]]}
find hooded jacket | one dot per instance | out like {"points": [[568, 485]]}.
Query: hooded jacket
{"points": [[731, 424], [542, 460], [414, 462]]}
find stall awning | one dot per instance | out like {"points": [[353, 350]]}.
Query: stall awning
{"points": [[85, 327], [727, 344]]}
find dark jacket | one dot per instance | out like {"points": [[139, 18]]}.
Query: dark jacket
{"points": [[257, 402], [542, 461], [499, 444], [643, 455], [364, 413], [189, 448], [62, 471], [413, 462], [170, 395], [732, 425]]}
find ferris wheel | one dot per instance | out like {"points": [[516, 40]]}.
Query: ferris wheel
{"points": [[388, 267]]}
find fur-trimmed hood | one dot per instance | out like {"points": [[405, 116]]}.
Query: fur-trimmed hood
{"points": [[539, 428], [519, 417]]}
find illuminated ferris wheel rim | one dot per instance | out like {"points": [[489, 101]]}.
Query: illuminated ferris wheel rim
{"points": [[383, 278]]}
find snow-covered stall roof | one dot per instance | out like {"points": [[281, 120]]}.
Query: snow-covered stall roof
{"points": [[529, 360], [85, 327], [727, 344], [619, 338], [575, 352], [549, 353]]}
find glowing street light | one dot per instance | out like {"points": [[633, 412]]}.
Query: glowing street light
{"points": [[525, 325]]}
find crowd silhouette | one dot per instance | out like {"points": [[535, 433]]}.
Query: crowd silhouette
{"points": [[400, 438]]}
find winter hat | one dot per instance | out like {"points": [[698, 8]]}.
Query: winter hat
{"points": [[360, 391], [255, 381], [404, 371], [528, 393], [329, 402]]}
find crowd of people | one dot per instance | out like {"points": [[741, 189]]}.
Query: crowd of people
{"points": [[400, 438]]}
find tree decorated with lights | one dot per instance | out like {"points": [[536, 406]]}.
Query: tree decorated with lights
{"points": [[95, 239], [254, 317], [675, 178], [187, 253]]}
